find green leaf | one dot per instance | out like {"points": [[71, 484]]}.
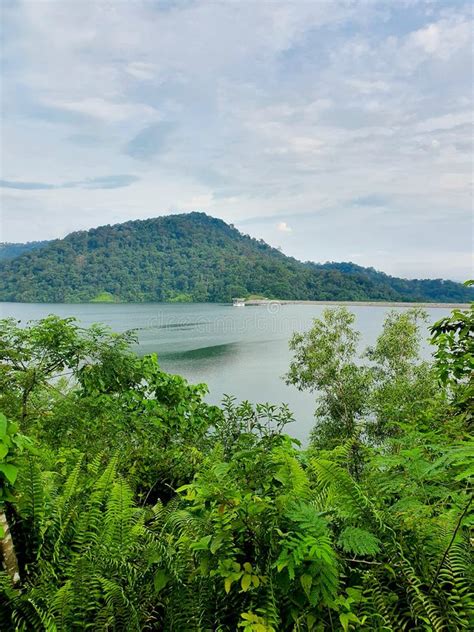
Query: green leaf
{"points": [[245, 582], [215, 544], [345, 618], [306, 581], [10, 472], [359, 541], [183, 488], [160, 580], [3, 426], [202, 544], [355, 593], [3, 450]]}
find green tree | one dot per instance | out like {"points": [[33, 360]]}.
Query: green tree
{"points": [[403, 385], [325, 362], [454, 339], [368, 394], [31, 358]]}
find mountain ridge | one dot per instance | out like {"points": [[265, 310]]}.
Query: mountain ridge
{"points": [[11, 250], [194, 257]]}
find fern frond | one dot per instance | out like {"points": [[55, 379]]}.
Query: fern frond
{"points": [[359, 541], [344, 495]]}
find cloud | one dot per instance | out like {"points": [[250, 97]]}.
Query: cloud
{"points": [[444, 38], [446, 121], [25, 186], [149, 142], [283, 227], [105, 182], [354, 115], [107, 111], [370, 200], [141, 70]]}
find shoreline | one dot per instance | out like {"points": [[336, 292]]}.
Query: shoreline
{"points": [[263, 303], [259, 303]]}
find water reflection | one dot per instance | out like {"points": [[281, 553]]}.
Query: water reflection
{"points": [[203, 353]]}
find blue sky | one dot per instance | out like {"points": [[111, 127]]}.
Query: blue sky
{"points": [[337, 130]]}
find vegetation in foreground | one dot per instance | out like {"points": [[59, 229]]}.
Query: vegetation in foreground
{"points": [[128, 503], [193, 257]]}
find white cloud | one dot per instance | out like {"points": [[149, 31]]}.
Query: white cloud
{"points": [[444, 38], [246, 111], [141, 70], [456, 181], [366, 86], [446, 121], [107, 111]]}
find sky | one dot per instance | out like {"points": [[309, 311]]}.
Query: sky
{"points": [[338, 131]]}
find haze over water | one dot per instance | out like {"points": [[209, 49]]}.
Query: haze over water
{"points": [[236, 351]]}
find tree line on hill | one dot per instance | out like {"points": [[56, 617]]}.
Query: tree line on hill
{"points": [[193, 257]]}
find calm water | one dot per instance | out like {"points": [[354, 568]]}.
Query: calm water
{"points": [[238, 351]]}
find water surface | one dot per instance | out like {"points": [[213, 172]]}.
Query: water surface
{"points": [[242, 351]]}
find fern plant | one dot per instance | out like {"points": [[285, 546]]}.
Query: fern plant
{"points": [[399, 549], [96, 560]]}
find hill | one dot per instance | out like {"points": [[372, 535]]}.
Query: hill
{"points": [[10, 251], [193, 257]]}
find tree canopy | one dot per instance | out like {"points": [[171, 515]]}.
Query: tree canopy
{"points": [[193, 257]]}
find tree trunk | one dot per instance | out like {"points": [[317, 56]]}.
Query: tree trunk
{"points": [[7, 549]]}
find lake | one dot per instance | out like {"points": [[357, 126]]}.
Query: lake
{"points": [[241, 351]]}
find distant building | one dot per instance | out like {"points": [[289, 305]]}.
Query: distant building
{"points": [[238, 302]]}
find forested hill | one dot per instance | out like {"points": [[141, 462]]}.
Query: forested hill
{"points": [[193, 257]]}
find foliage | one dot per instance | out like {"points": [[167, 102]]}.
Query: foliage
{"points": [[356, 397], [257, 542], [96, 560], [12, 444], [31, 357], [454, 338], [113, 402], [103, 297], [325, 361], [137, 506], [179, 298], [396, 522], [193, 257], [404, 386]]}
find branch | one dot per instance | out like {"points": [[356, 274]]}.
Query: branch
{"points": [[349, 559]]}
